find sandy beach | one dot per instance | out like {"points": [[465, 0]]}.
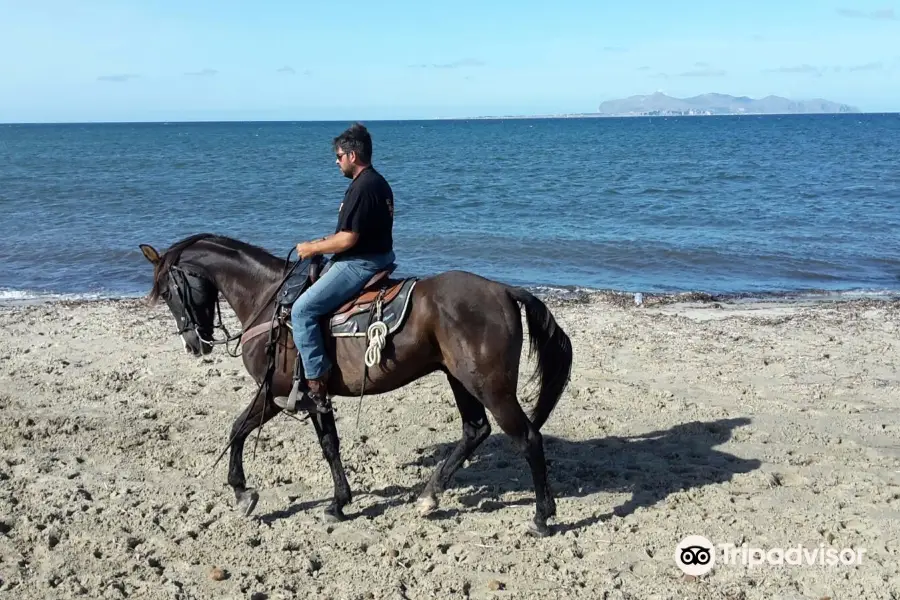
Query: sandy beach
{"points": [[774, 425]]}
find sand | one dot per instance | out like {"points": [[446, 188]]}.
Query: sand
{"points": [[770, 424]]}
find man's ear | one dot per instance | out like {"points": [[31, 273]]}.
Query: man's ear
{"points": [[150, 253]]}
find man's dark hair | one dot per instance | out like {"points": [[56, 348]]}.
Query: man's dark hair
{"points": [[356, 138]]}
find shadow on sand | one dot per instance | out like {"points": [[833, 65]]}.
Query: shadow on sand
{"points": [[649, 466]]}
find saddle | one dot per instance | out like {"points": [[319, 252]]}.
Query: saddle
{"points": [[382, 299]]}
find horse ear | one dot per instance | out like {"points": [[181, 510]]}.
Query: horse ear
{"points": [[150, 253]]}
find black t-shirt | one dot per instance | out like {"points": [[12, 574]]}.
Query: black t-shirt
{"points": [[368, 209]]}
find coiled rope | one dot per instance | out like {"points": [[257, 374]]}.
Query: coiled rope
{"points": [[377, 336]]}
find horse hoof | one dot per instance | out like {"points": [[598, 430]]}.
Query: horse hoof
{"points": [[538, 530], [247, 501], [427, 505], [333, 516]]}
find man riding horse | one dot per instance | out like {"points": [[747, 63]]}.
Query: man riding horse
{"points": [[361, 246]]}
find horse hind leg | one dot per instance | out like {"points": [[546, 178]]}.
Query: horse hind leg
{"points": [[475, 429], [513, 421]]}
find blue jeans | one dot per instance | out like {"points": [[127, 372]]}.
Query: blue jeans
{"points": [[343, 279]]}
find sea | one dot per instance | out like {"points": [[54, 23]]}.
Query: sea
{"points": [[742, 206]]}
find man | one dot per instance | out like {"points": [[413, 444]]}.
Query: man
{"points": [[362, 245]]}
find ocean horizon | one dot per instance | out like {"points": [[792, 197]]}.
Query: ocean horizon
{"points": [[471, 117]]}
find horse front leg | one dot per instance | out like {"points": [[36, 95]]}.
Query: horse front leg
{"points": [[246, 422], [326, 429]]}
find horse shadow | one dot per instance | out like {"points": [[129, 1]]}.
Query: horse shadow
{"points": [[649, 466]]}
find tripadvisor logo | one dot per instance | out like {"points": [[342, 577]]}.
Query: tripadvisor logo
{"points": [[695, 555]]}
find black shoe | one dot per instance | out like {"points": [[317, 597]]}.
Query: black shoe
{"points": [[318, 391]]}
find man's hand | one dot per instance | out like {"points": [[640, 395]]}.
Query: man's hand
{"points": [[306, 250]]}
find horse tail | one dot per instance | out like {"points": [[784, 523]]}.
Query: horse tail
{"points": [[554, 354]]}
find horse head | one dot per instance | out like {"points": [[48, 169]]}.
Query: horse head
{"points": [[190, 294]]}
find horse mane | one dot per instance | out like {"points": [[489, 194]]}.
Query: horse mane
{"points": [[173, 254]]}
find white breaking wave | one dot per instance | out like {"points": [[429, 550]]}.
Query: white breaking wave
{"points": [[12, 296]]}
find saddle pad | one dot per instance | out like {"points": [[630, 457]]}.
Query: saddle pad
{"points": [[393, 314]]}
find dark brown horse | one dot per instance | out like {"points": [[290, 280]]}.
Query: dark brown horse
{"points": [[461, 324]]}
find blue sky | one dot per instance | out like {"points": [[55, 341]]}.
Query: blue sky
{"points": [[90, 60]]}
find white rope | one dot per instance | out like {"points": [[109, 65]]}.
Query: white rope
{"points": [[377, 335]]}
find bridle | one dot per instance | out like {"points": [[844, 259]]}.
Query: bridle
{"points": [[189, 319]]}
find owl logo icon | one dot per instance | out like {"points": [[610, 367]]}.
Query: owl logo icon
{"points": [[695, 555]]}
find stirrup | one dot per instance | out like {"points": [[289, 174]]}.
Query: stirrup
{"points": [[301, 401], [297, 400]]}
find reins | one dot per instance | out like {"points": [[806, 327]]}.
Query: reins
{"points": [[266, 381]]}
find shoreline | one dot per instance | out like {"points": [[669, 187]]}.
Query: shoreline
{"points": [[553, 295]]}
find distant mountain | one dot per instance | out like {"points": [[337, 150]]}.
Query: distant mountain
{"points": [[718, 104]]}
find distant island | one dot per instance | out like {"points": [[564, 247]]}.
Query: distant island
{"points": [[660, 104]]}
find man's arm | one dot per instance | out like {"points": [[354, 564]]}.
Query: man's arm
{"points": [[338, 242]]}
